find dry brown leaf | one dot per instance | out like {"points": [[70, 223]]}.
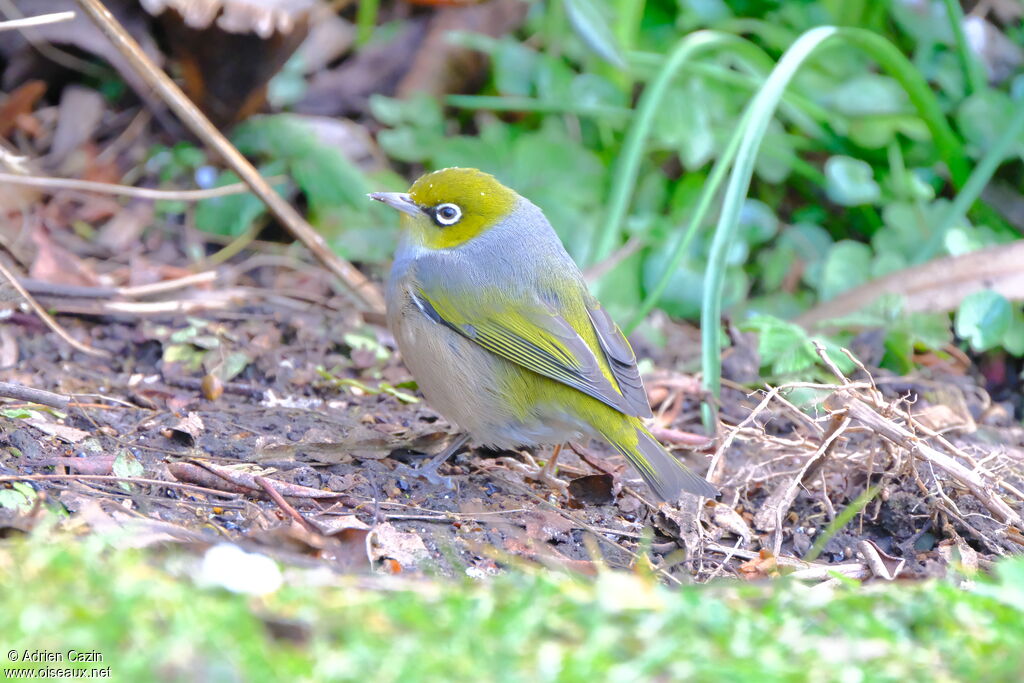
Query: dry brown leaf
{"points": [[19, 103], [728, 519], [404, 547], [882, 564], [761, 567], [57, 265], [62, 432], [441, 66], [79, 115], [936, 286]]}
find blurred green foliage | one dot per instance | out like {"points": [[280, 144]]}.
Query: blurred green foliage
{"points": [[150, 620]]}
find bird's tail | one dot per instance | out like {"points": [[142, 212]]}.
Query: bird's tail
{"points": [[668, 477]]}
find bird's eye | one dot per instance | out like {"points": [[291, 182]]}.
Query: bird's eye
{"points": [[447, 214]]}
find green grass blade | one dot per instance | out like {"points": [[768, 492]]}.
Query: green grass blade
{"points": [[878, 48], [628, 166], [752, 129], [976, 183], [761, 110], [974, 76], [841, 520], [366, 19]]}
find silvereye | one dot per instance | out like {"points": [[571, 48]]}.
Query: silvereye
{"points": [[494, 320]]}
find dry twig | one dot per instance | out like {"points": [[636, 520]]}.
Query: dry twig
{"points": [[48, 319], [857, 409], [30, 395], [41, 20], [367, 292], [48, 183]]}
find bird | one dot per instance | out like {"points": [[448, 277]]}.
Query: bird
{"points": [[497, 326]]}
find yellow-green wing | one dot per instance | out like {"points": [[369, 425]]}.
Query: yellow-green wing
{"points": [[591, 356]]}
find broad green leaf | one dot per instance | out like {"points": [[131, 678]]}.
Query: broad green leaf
{"points": [[127, 465], [983, 319], [190, 357], [20, 414], [930, 330], [850, 182], [870, 94], [233, 365], [231, 215], [848, 265], [1013, 340], [19, 498], [775, 157], [592, 27], [757, 222], [515, 68], [983, 117], [784, 347]]}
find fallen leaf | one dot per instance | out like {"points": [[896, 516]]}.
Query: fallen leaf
{"points": [[404, 547], [79, 115], [593, 489], [18, 103], [761, 567], [188, 429], [881, 564], [62, 432], [727, 518], [57, 265]]}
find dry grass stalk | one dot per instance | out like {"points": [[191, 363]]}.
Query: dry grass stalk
{"points": [[363, 289]]}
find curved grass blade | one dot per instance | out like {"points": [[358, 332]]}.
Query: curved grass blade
{"points": [[592, 28]]}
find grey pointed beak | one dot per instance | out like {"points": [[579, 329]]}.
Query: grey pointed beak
{"points": [[397, 200]]}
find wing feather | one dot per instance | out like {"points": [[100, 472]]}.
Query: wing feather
{"points": [[538, 337]]}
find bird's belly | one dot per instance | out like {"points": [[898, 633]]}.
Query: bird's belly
{"points": [[468, 385]]}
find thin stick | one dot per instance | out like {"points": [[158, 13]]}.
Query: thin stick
{"points": [[286, 506], [889, 430], [41, 20], [111, 477], [44, 398], [167, 285], [364, 290], [43, 288], [48, 183], [48, 319]]}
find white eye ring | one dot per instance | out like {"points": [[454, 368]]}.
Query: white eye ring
{"points": [[447, 214]]}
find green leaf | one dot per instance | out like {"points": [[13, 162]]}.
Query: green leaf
{"points": [[757, 222], [19, 498], [190, 357], [784, 347], [929, 330], [20, 414], [870, 94], [231, 215], [983, 116], [983, 319], [233, 365], [682, 297], [775, 158], [848, 265], [1013, 340], [515, 68], [850, 182], [592, 27], [899, 352], [127, 465]]}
